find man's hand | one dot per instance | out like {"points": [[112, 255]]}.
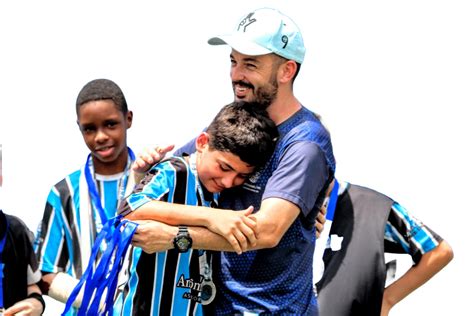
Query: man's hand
{"points": [[320, 220], [153, 236], [237, 227], [149, 157]]}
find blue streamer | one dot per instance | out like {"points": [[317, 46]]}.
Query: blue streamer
{"points": [[102, 276]]}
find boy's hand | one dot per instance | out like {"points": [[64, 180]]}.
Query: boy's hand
{"points": [[28, 306], [237, 227], [149, 157], [153, 236]]}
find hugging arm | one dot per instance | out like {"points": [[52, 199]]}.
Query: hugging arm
{"points": [[234, 226]]}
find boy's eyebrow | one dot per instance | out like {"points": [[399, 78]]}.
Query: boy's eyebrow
{"points": [[231, 168]]}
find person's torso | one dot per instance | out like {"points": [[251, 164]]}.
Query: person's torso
{"points": [[69, 214], [355, 253], [275, 279]]}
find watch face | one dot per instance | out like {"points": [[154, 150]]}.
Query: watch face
{"points": [[183, 243]]}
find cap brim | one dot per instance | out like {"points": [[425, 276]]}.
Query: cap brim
{"points": [[240, 43]]}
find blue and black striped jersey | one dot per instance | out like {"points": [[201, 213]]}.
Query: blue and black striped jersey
{"points": [[165, 283]]}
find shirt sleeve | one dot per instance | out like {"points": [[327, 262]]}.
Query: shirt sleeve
{"points": [[300, 177], [406, 234], [188, 148], [154, 186]]}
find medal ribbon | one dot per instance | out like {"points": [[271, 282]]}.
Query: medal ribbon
{"points": [[117, 233], [94, 194]]}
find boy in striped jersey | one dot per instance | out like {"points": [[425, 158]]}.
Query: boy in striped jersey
{"points": [[237, 143], [362, 226], [78, 205]]}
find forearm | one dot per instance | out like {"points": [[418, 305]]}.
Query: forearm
{"points": [[430, 264], [273, 220], [173, 214], [207, 240], [59, 286]]}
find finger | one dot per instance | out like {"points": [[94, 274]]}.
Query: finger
{"points": [[250, 229], [323, 210], [139, 165], [249, 235], [319, 229], [321, 218], [18, 307], [250, 221], [242, 240], [235, 245], [249, 210], [165, 149]]}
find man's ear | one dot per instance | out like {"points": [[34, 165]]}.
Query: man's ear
{"points": [[287, 71], [202, 141]]}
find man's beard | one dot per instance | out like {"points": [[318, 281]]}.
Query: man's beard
{"points": [[264, 95]]}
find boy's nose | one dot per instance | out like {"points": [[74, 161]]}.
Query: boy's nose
{"points": [[228, 181], [101, 136]]}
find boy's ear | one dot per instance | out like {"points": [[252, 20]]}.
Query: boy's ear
{"points": [[129, 119], [202, 141]]}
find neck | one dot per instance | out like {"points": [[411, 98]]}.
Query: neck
{"points": [[282, 108]]}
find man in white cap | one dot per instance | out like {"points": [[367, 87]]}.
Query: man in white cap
{"points": [[275, 277]]}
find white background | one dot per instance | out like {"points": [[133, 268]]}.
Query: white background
{"points": [[393, 81]]}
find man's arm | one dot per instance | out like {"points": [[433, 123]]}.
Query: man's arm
{"points": [[274, 218], [430, 264]]}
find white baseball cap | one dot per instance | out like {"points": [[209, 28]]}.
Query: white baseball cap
{"points": [[264, 31]]}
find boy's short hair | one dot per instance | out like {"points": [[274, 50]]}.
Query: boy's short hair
{"points": [[245, 130], [102, 89]]}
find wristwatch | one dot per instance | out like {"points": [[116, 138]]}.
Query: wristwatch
{"points": [[183, 241]]}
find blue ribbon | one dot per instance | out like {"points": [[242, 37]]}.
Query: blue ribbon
{"points": [[117, 233], [93, 190]]}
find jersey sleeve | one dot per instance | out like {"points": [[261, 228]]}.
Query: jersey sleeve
{"points": [[406, 234], [154, 186], [301, 175]]}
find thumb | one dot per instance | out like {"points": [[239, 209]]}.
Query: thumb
{"points": [[249, 210]]}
